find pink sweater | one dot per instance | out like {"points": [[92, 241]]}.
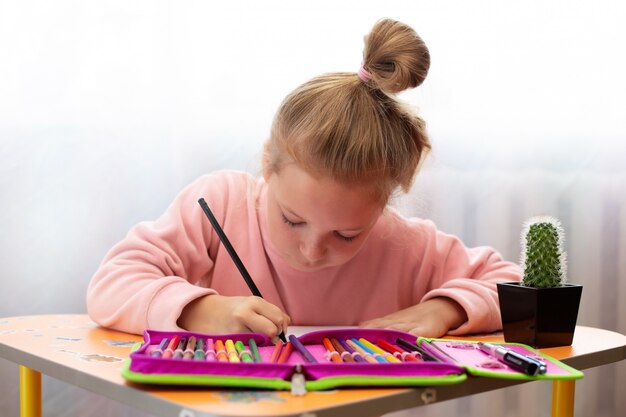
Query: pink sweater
{"points": [[146, 279]]}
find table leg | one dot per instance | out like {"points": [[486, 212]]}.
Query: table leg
{"points": [[30, 392], [563, 398]]}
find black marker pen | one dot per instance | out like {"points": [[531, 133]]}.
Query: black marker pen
{"points": [[517, 361]]}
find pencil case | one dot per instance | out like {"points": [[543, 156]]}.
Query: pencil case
{"points": [[325, 374], [300, 375]]}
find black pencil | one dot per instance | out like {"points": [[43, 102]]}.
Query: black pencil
{"points": [[233, 254]]}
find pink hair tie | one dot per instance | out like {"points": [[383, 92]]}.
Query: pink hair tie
{"points": [[364, 75]]}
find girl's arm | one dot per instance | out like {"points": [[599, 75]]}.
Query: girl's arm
{"points": [[159, 276], [146, 279], [455, 286]]}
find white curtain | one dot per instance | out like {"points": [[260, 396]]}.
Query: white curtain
{"points": [[108, 109]]}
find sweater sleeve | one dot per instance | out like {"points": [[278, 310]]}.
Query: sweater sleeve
{"points": [[146, 279], [469, 277]]}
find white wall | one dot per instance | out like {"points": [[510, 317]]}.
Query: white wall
{"points": [[107, 109]]}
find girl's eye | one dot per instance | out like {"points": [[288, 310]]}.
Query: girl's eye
{"points": [[289, 222], [337, 234], [346, 238]]}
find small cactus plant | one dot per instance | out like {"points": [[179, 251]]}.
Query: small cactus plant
{"points": [[543, 258]]}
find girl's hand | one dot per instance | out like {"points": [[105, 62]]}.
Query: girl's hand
{"points": [[432, 318], [220, 314]]}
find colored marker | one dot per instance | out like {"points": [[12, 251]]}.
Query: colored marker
{"points": [[366, 349], [170, 348], [355, 355], [285, 353], [244, 354], [199, 353], [210, 350], [410, 347], [159, 351], [344, 354], [356, 348], [231, 351], [386, 355], [304, 352], [190, 349], [255, 350], [332, 352], [220, 351], [178, 353], [276, 352], [406, 356]]}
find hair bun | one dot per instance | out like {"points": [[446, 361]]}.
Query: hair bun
{"points": [[395, 56]]}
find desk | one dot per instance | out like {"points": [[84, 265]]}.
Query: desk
{"points": [[73, 349]]}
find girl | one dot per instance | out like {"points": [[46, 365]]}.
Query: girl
{"points": [[314, 232]]}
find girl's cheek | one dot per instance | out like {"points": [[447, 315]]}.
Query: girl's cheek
{"points": [[290, 236]]}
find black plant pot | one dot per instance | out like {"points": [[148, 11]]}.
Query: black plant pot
{"points": [[539, 317]]}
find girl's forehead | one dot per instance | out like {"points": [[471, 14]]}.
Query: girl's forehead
{"points": [[324, 199]]}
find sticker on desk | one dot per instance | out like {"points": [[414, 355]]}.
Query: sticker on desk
{"points": [[34, 332], [120, 343], [92, 357], [64, 326], [68, 339], [248, 397]]}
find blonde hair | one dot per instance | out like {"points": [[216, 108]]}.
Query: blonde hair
{"points": [[354, 130]]}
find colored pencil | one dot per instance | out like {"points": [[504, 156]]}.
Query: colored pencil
{"points": [[169, 352], [276, 352], [255, 350], [244, 354], [285, 353], [304, 352], [332, 352], [343, 353], [386, 355], [159, 351], [233, 254], [199, 353], [190, 349], [406, 356], [220, 351], [367, 350]]}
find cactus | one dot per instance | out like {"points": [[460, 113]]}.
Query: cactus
{"points": [[543, 258]]}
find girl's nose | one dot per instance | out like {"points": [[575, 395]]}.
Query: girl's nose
{"points": [[313, 249]]}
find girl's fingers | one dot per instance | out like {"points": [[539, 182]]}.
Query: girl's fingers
{"points": [[266, 318], [261, 324]]}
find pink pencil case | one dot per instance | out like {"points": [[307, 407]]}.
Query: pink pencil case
{"points": [[299, 374]]}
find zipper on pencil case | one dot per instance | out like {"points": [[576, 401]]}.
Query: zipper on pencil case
{"points": [[298, 382]]}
